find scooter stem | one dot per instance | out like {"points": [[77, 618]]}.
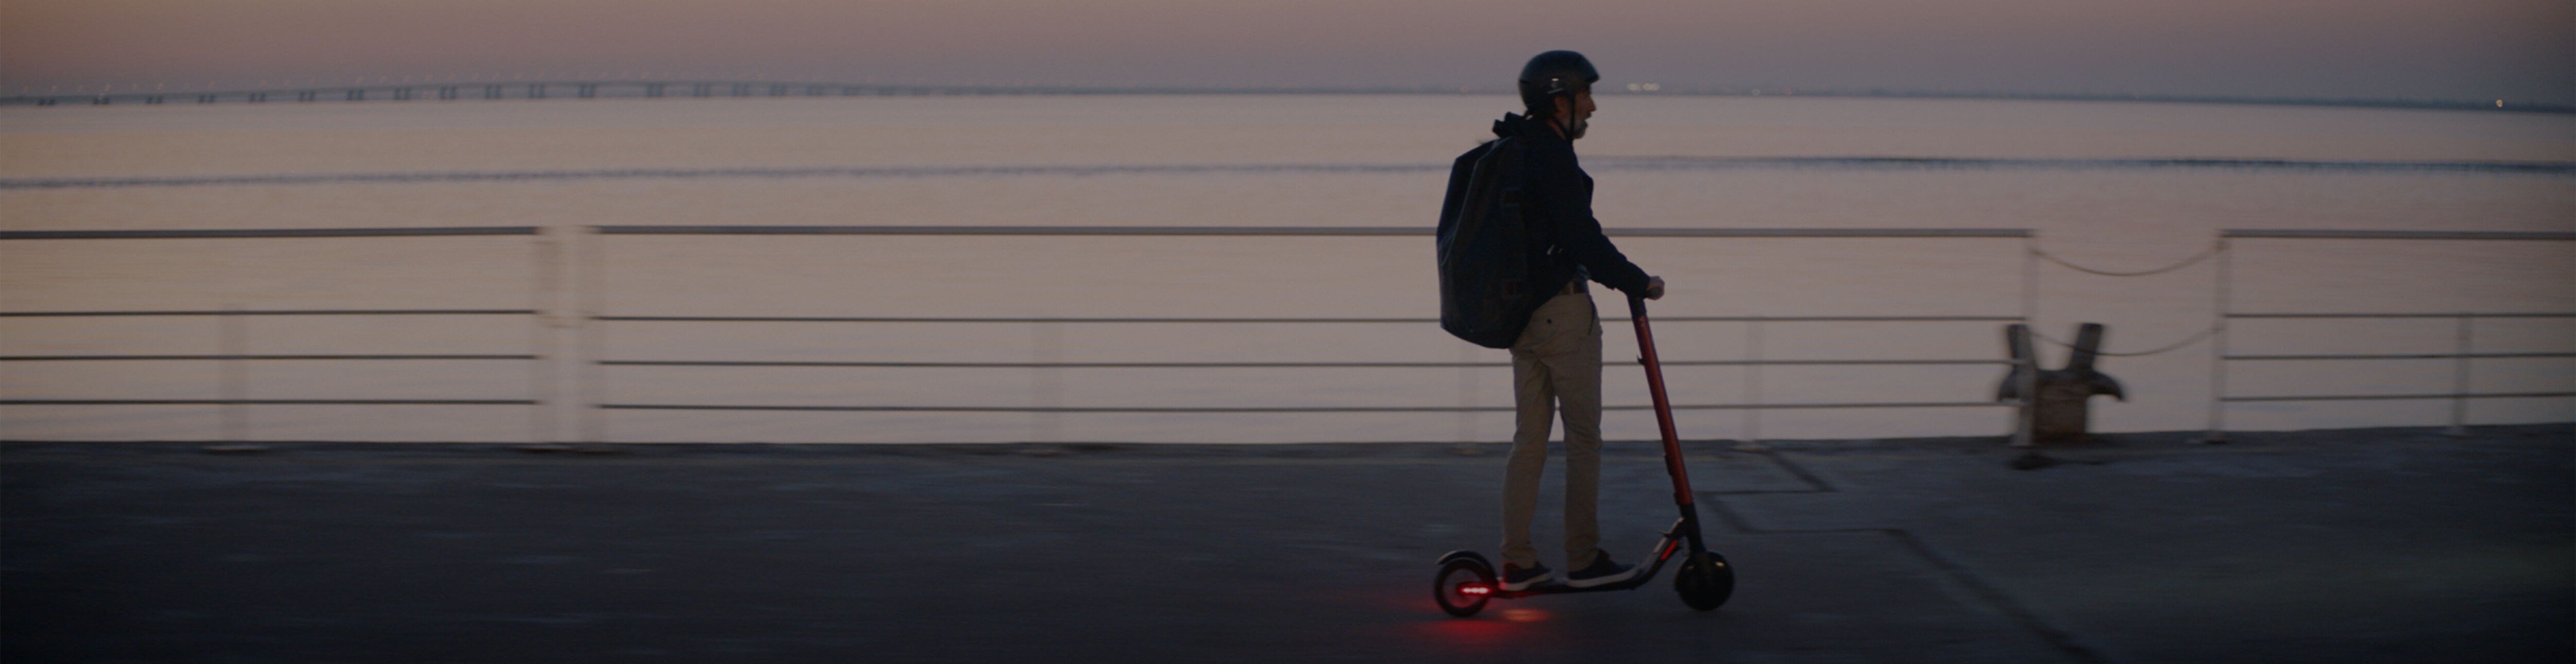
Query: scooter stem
{"points": [[1663, 406]]}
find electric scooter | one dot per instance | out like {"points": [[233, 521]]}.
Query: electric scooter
{"points": [[1467, 581]]}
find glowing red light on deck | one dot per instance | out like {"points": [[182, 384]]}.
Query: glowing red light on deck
{"points": [[1474, 590]]}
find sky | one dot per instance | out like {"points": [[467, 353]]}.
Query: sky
{"points": [[2337, 49]]}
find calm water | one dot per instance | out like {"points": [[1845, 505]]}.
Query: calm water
{"points": [[2097, 181]]}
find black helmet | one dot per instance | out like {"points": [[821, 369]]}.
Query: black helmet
{"points": [[1554, 73]]}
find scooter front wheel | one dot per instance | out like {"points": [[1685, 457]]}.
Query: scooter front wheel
{"points": [[1463, 586], [1705, 580]]}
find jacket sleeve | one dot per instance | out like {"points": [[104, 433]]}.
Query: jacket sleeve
{"points": [[1565, 194]]}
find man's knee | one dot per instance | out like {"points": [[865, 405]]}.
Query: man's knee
{"points": [[1582, 442]]}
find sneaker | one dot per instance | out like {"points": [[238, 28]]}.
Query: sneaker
{"points": [[1601, 571], [1516, 579]]}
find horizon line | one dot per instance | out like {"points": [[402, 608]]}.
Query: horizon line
{"points": [[1619, 163], [745, 89]]}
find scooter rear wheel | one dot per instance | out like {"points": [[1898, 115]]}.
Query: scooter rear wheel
{"points": [[1705, 581], [1463, 586]]}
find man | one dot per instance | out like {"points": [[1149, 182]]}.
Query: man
{"points": [[1556, 363]]}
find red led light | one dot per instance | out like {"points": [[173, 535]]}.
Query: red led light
{"points": [[1474, 590]]}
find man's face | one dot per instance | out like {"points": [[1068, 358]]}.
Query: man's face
{"points": [[1576, 113]]}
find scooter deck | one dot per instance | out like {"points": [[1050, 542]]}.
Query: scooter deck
{"points": [[1643, 575], [1559, 587]]}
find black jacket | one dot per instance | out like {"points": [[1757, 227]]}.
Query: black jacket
{"points": [[1566, 242]]}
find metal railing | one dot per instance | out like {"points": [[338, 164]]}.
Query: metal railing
{"points": [[233, 339], [588, 388], [594, 426], [2462, 352]]}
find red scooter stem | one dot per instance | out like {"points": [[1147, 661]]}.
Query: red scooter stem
{"points": [[1663, 406]]}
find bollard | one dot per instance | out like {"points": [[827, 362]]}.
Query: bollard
{"points": [[2059, 411]]}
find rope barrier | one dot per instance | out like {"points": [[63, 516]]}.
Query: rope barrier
{"points": [[2195, 338], [2187, 262], [2204, 334]]}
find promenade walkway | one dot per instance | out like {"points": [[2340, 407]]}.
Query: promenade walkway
{"points": [[2379, 545]]}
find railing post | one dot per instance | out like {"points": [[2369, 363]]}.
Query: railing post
{"points": [[2030, 280], [1752, 389], [1466, 393], [541, 323], [591, 338], [2025, 421], [2026, 369], [1046, 381], [2218, 348], [2460, 378], [230, 336]]}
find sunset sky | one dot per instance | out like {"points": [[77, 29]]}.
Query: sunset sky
{"points": [[2426, 49]]}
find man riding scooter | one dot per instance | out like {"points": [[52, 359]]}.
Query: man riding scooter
{"points": [[1556, 363]]}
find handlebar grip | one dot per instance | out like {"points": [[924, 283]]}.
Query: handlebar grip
{"points": [[1636, 305]]}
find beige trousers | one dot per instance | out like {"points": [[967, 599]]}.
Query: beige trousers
{"points": [[1556, 365]]}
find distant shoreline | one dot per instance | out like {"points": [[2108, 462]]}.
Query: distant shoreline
{"points": [[731, 89], [2545, 168]]}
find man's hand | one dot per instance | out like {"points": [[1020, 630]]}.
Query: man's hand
{"points": [[1654, 288]]}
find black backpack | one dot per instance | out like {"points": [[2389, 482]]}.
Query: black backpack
{"points": [[1484, 246]]}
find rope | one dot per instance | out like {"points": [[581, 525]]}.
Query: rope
{"points": [[2195, 338], [2204, 255]]}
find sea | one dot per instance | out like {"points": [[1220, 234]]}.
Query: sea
{"points": [[1771, 330]]}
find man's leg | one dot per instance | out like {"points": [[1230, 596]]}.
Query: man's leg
{"points": [[1561, 319], [1574, 364], [1534, 403]]}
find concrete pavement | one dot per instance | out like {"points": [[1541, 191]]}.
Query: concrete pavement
{"points": [[2380, 545]]}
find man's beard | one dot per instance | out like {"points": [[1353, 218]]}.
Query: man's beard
{"points": [[1574, 128]]}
